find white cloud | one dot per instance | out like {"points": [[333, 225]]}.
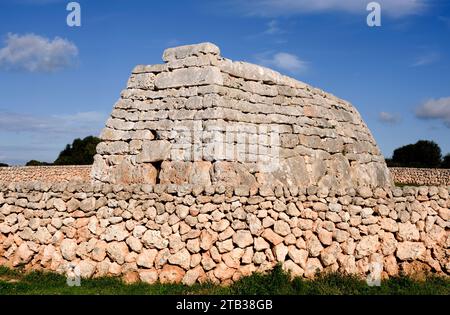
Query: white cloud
{"points": [[273, 28], [24, 137], [395, 8], [426, 59], [283, 61], [438, 109], [388, 118], [34, 53], [82, 122]]}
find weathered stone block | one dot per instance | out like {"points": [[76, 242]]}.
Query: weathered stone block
{"points": [[154, 151], [189, 77]]}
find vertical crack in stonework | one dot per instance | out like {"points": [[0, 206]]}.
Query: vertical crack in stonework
{"points": [[202, 119]]}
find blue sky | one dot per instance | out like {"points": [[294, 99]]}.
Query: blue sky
{"points": [[59, 82]]}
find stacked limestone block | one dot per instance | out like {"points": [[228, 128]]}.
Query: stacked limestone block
{"points": [[182, 234], [202, 119]]}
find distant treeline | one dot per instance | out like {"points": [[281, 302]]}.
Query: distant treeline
{"points": [[80, 152], [422, 154]]}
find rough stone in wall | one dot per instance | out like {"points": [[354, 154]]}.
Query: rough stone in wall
{"points": [[202, 119]]}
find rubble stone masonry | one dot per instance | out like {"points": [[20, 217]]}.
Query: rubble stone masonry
{"points": [[185, 233], [52, 174], [421, 176]]}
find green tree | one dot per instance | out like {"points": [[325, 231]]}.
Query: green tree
{"points": [[421, 154], [446, 161], [80, 152]]}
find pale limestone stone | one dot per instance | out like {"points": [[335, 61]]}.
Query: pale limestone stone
{"points": [[223, 272], [280, 252], [313, 267], [68, 249], [99, 251], [292, 210], [189, 77], [314, 246], [388, 224], [410, 250], [367, 245], [23, 255], [388, 244], [231, 260], [47, 255], [328, 256], [261, 244], [340, 236], [148, 276], [154, 151], [293, 268], [116, 232], [117, 251], [87, 268], [247, 256], [134, 243], [171, 274], [299, 256], [408, 232], [243, 238], [181, 52], [193, 275], [207, 239], [59, 204], [325, 237], [193, 245], [153, 238], [281, 228], [207, 262], [225, 246], [272, 237], [87, 205], [42, 235], [226, 234], [147, 258]]}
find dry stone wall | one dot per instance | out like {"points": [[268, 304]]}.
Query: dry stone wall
{"points": [[55, 174], [191, 234], [51, 174], [421, 176], [202, 119]]}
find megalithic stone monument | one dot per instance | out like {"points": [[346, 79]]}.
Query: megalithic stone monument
{"points": [[202, 119]]}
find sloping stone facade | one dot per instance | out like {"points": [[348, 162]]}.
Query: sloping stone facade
{"points": [[202, 119]]}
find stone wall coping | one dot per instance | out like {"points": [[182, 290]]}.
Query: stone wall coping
{"points": [[242, 191]]}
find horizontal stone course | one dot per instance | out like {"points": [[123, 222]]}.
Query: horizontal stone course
{"points": [[412, 176]]}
